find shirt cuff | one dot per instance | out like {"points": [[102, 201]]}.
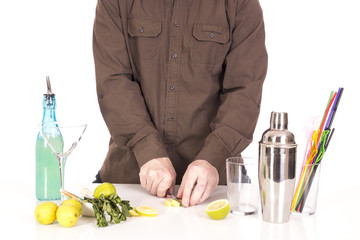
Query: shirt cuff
{"points": [[214, 152], [148, 148]]}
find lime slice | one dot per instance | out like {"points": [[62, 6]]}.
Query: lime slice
{"points": [[146, 211], [218, 209]]}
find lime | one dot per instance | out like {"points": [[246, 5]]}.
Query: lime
{"points": [[74, 203], [146, 211], [45, 213], [104, 188], [67, 215], [218, 209]]}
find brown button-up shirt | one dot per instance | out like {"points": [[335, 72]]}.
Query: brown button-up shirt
{"points": [[179, 79]]}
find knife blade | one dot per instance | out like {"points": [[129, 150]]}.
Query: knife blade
{"points": [[170, 194]]}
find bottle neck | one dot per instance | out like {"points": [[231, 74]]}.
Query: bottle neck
{"points": [[49, 106], [49, 115]]}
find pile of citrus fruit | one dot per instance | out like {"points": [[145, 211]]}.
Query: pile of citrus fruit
{"points": [[67, 214], [70, 210]]}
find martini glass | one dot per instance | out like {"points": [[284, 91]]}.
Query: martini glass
{"points": [[62, 138]]}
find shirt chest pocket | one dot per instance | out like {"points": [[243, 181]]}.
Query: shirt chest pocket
{"points": [[210, 43], [143, 38]]}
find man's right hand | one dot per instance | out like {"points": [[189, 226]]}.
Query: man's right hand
{"points": [[157, 176]]}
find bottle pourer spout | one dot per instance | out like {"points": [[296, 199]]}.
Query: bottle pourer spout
{"points": [[48, 85]]}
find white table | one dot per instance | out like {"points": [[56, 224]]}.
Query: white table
{"points": [[337, 217]]}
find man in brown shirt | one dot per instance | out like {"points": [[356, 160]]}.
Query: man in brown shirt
{"points": [[179, 85]]}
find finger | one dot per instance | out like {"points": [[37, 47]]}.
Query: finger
{"points": [[206, 194], [210, 187], [198, 191], [164, 185], [172, 188], [170, 191], [181, 189], [149, 182], [142, 180], [182, 185], [188, 187], [155, 186]]}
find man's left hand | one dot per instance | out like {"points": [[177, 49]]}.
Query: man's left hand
{"points": [[199, 180]]}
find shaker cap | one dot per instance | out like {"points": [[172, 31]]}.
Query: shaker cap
{"points": [[278, 134], [279, 120]]}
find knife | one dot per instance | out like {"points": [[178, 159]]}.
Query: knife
{"points": [[169, 194]]}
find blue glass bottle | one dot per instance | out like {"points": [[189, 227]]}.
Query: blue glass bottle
{"points": [[47, 165]]}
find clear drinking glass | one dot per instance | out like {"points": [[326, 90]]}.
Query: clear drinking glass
{"points": [[70, 133], [242, 184]]}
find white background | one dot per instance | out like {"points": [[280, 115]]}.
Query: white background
{"points": [[313, 47]]}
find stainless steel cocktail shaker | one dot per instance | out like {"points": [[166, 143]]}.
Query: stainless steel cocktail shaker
{"points": [[277, 160]]}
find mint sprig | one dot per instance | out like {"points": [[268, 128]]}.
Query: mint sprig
{"points": [[117, 209]]}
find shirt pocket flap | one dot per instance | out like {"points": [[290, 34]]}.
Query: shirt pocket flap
{"points": [[211, 32], [144, 27]]}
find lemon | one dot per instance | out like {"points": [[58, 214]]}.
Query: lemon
{"points": [[146, 211], [67, 215], [175, 203], [104, 188], [133, 213], [218, 209], [172, 202], [167, 202], [45, 213], [74, 203]]}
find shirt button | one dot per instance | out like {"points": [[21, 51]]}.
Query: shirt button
{"points": [[176, 24], [141, 29], [172, 86], [212, 35], [174, 55]]}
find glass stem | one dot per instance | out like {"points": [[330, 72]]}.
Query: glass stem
{"points": [[62, 161]]}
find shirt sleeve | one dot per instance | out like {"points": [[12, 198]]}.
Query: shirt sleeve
{"points": [[245, 71], [120, 98]]}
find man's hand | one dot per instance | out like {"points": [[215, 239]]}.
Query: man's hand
{"points": [[200, 179], [157, 176]]}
